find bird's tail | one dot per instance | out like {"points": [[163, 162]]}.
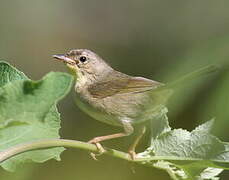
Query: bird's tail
{"points": [[162, 93], [190, 76]]}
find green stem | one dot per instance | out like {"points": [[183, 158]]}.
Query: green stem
{"points": [[49, 143]]}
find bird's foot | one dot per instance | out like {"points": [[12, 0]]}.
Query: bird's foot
{"points": [[100, 148], [132, 154]]}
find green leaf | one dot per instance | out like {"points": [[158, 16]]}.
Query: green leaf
{"points": [[9, 74], [189, 153], [28, 112], [210, 173], [174, 172]]}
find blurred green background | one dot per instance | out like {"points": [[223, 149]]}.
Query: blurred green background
{"points": [[162, 40]]}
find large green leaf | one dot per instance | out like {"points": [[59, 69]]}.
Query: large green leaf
{"points": [[184, 154], [28, 112]]}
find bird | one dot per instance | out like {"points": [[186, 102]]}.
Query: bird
{"points": [[112, 97]]}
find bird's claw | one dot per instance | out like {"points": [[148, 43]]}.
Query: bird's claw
{"points": [[100, 148], [132, 154]]}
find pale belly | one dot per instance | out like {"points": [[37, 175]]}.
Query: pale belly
{"points": [[117, 109], [96, 113]]}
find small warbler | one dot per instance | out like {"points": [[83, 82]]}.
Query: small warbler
{"points": [[113, 97]]}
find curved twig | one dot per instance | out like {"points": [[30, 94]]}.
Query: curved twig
{"points": [[48, 143]]}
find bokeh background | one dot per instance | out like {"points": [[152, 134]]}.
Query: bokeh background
{"points": [[162, 40]]}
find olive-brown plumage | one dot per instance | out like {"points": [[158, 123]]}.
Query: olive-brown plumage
{"points": [[108, 95]]}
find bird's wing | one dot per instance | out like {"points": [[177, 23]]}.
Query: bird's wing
{"points": [[120, 85]]}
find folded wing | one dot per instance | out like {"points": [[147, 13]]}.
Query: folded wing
{"points": [[120, 84]]}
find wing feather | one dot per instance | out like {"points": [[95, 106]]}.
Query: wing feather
{"points": [[121, 84]]}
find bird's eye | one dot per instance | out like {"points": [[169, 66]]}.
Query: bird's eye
{"points": [[83, 59]]}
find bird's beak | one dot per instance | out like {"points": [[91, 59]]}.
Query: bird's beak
{"points": [[65, 59]]}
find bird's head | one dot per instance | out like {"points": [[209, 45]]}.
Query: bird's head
{"points": [[85, 64]]}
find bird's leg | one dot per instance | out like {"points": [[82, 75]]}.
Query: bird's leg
{"points": [[128, 129], [133, 146]]}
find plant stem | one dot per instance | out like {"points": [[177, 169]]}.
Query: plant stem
{"points": [[49, 143]]}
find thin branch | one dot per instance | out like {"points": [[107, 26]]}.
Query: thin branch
{"points": [[49, 143]]}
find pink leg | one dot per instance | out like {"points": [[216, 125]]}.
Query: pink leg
{"points": [[128, 129], [132, 148]]}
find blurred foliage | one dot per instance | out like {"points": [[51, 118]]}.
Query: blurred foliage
{"points": [[158, 39]]}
